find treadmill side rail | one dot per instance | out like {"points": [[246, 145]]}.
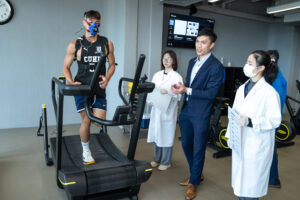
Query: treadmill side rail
{"points": [[59, 128]]}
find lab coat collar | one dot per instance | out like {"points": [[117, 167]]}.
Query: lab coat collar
{"points": [[255, 88], [170, 72]]}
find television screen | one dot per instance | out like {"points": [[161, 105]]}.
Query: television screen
{"points": [[183, 29]]}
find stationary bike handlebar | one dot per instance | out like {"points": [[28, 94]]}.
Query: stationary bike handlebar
{"points": [[143, 87], [123, 79]]}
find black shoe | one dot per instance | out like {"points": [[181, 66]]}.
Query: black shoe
{"points": [[275, 184]]}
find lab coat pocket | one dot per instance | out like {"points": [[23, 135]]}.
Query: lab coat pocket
{"points": [[166, 115], [171, 112], [255, 148]]}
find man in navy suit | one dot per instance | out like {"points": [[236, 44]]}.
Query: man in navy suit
{"points": [[204, 78]]}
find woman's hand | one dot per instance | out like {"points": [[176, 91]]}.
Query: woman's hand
{"points": [[163, 91], [243, 120]]}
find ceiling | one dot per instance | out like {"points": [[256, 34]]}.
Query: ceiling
{"points": [[256, 9]]}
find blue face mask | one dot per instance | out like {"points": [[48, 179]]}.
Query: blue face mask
{"points": [[93, 28]]}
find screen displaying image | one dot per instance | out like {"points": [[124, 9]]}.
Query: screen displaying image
{"points": [[192, 29], [183, 29], [180, 27]]}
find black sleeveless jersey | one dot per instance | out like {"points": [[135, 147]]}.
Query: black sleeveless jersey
{"points": [[90, 56]]}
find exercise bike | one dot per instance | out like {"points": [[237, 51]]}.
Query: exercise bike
{"points": [[288, 130], [216, 136]]}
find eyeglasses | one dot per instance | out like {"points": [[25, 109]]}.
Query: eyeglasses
{"points": [[167, 59]]}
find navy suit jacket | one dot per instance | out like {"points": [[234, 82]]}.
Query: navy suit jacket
{"points": [[205, 87]]}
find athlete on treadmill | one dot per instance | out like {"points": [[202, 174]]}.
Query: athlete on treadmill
{"points": [[87, 50]]}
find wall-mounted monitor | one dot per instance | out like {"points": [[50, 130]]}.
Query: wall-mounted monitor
{"points": [[183, 29]]}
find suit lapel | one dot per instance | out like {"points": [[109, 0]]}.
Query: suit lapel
{"points": [[190, 68], [203, 68]]}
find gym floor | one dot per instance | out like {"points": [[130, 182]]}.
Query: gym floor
{"points": [[24, 175]]}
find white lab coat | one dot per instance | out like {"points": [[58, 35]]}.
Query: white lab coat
{"points": [[250, 173], [162, 125]]}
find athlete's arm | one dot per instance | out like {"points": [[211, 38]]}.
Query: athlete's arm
{"points": [[68, 63], [111, 68]]}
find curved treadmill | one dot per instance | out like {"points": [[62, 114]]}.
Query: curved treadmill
{"points": [[114, 175]]}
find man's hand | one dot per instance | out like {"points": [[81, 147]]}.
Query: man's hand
{"points": [[75, 83], [163, 91], [103, 83], [178, 88]]}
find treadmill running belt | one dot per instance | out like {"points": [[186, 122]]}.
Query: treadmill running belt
{"points": [[72, 155]]}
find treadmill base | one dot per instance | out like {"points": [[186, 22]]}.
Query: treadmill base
{"points": [[131, 193]]}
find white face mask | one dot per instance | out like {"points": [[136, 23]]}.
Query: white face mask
{"points": [[248, 70]]}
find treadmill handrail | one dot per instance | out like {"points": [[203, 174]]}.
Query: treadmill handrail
{"points": [[137, 76], [102, 121], [84, 90], [70, 90], [67, 90], [87, 103], [93, 84]]}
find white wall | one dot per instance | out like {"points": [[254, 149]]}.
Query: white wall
{"points": [[33, 47], [150, 34], [130, 37], [294, 72], [283, 37], [32, 51]]}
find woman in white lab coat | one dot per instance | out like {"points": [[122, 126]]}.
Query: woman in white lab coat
{"points": [[163, 122], [258, 105]]}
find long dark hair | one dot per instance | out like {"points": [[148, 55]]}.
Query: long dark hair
{"points": [[174, 58], [274, 54], [271, 68]]}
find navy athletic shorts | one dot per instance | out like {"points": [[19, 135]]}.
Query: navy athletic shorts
{"points": [[96, 102]]}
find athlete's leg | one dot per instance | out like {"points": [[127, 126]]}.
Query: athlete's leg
{"points": [[99, 113], [84, 127], [99, 108], [84, 131], [85, 137]]}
